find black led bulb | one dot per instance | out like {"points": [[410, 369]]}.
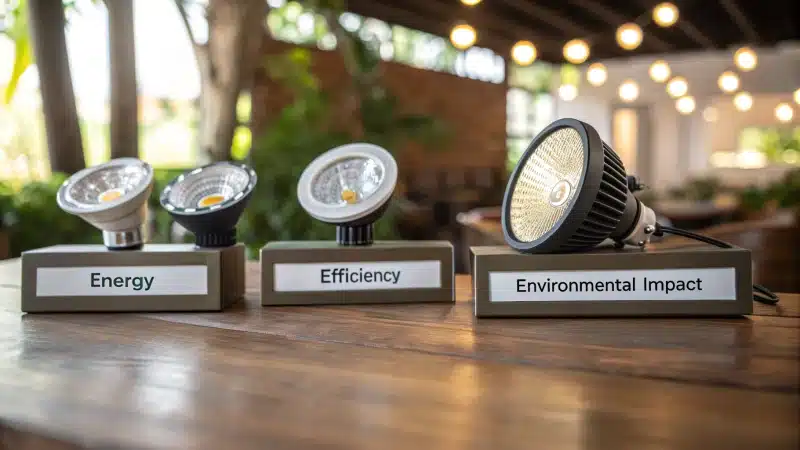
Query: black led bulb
{"points": [[209, 200]]}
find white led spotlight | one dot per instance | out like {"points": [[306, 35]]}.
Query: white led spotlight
{"points": [[209, 200], [349, 186], [569, 192], [112, 197]]}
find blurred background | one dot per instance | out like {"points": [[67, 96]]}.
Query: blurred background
{"points": [[700, 98]]}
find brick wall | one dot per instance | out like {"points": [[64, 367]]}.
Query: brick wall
{"points": [[474, 111]]}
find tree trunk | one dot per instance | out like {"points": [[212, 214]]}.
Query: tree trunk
{"points": [[124, 127], [236, 31], [64, 144]]}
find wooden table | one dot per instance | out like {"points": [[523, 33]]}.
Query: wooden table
{"points": [[397, 377]]}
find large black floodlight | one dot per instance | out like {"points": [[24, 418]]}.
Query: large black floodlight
{"points": [[209, 200], [350, 187], [569, 193], [112, 197]]}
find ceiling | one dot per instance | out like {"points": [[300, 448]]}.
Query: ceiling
{"points": [[703, 24]]}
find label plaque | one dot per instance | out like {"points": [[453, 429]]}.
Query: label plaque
{"points": [[692, 281], [321, 272]]}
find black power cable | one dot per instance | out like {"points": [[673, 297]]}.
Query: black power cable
{"points": [[760, 293]]}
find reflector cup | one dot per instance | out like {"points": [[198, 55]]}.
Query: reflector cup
{"points": [[208, 201], [349, 186], [112, 197], [568, 192]]}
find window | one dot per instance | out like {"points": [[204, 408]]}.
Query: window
{"points": [[529, 107], [292, 22], [762, 146]]}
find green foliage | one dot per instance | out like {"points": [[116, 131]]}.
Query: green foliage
{"points": [[698, 189], [32, 218], [23, 55], [159, 218], [753, 199]]}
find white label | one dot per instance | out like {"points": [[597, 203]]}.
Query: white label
{"points": [[315, 277], [131, 280], [613, 285]]}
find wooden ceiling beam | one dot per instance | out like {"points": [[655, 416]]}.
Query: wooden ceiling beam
{"points": [[549, 17], [614, 18], [741, 20]]}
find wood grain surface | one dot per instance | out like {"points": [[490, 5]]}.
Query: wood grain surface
{"points": [[394, 376]]}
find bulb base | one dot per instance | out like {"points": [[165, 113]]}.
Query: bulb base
{"points": [[216, 239], [352, 235], [123, 240]]}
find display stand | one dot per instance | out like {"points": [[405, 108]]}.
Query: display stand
{"points": [[696, 281], [324, 272], [159, 277]]}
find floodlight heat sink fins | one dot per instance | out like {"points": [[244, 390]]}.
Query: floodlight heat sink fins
{"points": [[569, 193], [609, 206]]}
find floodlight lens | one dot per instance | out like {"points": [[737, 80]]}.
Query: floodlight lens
{"points": [[209, 187], [546, 184], [347, 181], [106, 185]]}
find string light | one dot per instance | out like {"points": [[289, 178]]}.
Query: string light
{"points": [[660, 71], [728, 81], [576, 51], [628, 91], [629, 36], [665, 14], [685, 105], [745, 58], [784, 112], [470, 2], [743, 101], [597, 74], [463, 36], [677, 87], [568, 92], [523, 53]]}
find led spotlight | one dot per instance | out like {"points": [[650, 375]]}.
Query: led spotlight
{"points": [[350, 187], [570, 192], [111, 197], [209, 200]]}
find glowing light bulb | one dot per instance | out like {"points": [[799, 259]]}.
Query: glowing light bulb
{"points": [[784, 112], [677, 87], [665, 14], [576, 51], [745, 58], [463, 36], [660, 71], [628, 91], [568, 92], [685, 105], [470, 2], [523, 53], [596, 74], [743, 101], [728, 81], [629, 36]]}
